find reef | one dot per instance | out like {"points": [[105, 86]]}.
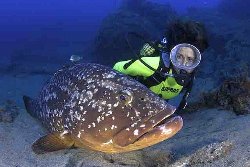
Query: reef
{"points": [[8, 112], [233, 94]]}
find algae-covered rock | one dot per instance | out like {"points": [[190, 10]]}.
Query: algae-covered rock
{"points": [[233, 94]]}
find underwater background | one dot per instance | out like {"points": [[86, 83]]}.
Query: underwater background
{"points": [[39, 37]]}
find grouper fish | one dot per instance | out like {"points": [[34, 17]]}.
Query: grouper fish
{"points": [[92, 106]]}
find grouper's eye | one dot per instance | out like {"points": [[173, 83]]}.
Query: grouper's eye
{"points": [[122, 98], [125, 96]]}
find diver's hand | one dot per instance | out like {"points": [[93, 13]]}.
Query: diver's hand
{"points": [[147, 50]]}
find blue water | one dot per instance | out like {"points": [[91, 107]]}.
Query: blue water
{"points": [[24, 24], [182, 5], [37, 35], [27, 25]]}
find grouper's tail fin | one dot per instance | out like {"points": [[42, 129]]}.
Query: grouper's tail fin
{"points": [[31, 106]]}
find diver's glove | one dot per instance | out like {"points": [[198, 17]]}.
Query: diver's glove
{"points": [[147, 50]]}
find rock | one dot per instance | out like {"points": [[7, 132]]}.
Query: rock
{"points": [[211, 152], [111, 43], [132, 159], [143, 158], [242, 104], [206, 155], [9, 112], [234, 94], [157, 157], [83, 158], [200, 95]]}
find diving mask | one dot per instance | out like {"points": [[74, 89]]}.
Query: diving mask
{"points": [[185, 57]]}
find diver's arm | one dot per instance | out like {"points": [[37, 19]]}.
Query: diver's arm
{"points": [[136, 67], [183, 102]]}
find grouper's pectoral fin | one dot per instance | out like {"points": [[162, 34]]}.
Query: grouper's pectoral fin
{"points": [[52, 142], [31, 106]]}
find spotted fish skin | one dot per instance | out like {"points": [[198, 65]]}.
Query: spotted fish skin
{"points": [[101, 109]]}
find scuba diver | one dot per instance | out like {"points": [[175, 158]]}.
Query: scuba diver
{"points": [[167, 67]]}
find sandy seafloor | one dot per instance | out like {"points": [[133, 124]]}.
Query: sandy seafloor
{"points": [[211, 137]]}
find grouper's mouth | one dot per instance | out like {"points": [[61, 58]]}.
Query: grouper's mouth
{"points": [[157, 128], [160, 131]]}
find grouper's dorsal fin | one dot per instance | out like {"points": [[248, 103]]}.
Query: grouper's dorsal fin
{"points": [[52, 142]]}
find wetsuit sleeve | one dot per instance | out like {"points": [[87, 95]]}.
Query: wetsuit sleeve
{"points": [[136, 67], [183, 102]]}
